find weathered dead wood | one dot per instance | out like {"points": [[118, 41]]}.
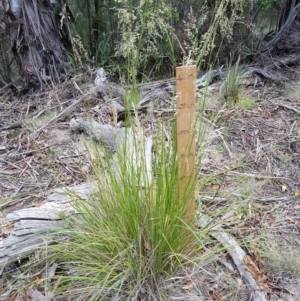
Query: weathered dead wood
{"points": [[255, 74], [285, 106], [158, 91], [288, 23], [103, 133], [238, 256], [47, 211], [208, 78], [258, 71], [62, 195], [114, 138], [164, 89], [35, 228]]}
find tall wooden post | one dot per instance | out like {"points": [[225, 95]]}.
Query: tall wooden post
{"points": [[186, 112]]}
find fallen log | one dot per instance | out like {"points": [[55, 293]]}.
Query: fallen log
{"points": [[162, 92], [35, 228], [32, 229]]}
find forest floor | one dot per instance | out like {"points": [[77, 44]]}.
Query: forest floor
{"points": [[251, 161]]}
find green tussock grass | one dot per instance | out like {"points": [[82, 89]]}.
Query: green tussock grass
{"points": [[231, 88], [132, 232]]}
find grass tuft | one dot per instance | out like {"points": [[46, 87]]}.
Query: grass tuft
{"points": [[231, 88], [131, 232], [280, 258]]}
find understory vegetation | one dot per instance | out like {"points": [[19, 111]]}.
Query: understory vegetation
{"points": [[138, 40], [130, 239]]}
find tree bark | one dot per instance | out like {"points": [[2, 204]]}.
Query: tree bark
{"points": [[36, 41], [289, 14]]}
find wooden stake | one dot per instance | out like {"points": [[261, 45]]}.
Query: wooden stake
{"points": [[186, 112]]}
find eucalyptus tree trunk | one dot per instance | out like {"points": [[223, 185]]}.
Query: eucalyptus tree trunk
{"points": [[35, 33], [286, 37], [5, 60]]}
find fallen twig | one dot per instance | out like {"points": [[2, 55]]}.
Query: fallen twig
{"points": [[10, 202], [284, 106], [8, 172], [62, 114], [225, 144], [13, 126], [30, 152], [237, 254], [256, 176]]}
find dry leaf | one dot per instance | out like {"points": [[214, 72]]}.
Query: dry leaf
{"points": [[189, 286], [270, 218], [253, 269]]}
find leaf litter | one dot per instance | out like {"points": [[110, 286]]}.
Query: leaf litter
{"points": [[253, 152]]}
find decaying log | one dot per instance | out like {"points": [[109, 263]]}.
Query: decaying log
{"points": [[220, 75], [32, 229], [163, 91], [36, 227], [103, 133], [208, 78], [158, 90], [62, 195]]}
